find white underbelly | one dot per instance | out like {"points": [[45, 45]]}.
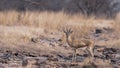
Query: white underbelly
{"points": [[83, 48]]}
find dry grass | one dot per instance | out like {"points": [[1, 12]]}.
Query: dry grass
{"points": [[8, 18], [17, 29], [117, 24], [45, 19], [116, 27], [50, 21]]}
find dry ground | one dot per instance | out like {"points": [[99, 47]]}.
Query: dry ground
{"points": [[38, 38]]}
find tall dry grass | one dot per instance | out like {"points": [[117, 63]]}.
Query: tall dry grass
{"points": [[52, 20], [40, 19], [30, 23], [117, 23], [8, 18], [47, 20]]}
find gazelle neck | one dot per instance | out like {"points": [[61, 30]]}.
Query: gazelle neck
{"points": [[69, 40]]}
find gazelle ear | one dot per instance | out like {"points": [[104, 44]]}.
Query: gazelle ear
{"points": [[64, 29], [71, 32]]}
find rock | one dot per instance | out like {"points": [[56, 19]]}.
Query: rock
{"points": [[98, 31], [117, 56], [113, 61], [52, 58], [3, 60], [34, 40], [110, 51]]}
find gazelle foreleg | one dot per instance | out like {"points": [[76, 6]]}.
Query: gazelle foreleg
{"points": [[91, 55], [74, 56]]}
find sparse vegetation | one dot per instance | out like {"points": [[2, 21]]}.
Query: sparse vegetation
{"points": [[32, 33], [18, 28]]}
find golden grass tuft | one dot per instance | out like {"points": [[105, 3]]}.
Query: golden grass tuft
{"points": [[116, 24], [8, 18]]}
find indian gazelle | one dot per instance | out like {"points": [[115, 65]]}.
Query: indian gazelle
{"points": [[77, 43]]}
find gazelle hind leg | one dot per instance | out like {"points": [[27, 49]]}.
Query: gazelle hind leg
{"points": [[91, 51], [91, 55], [73, 56]]}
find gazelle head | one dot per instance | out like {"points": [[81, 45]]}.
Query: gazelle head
{"points": [[67, 31]]}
